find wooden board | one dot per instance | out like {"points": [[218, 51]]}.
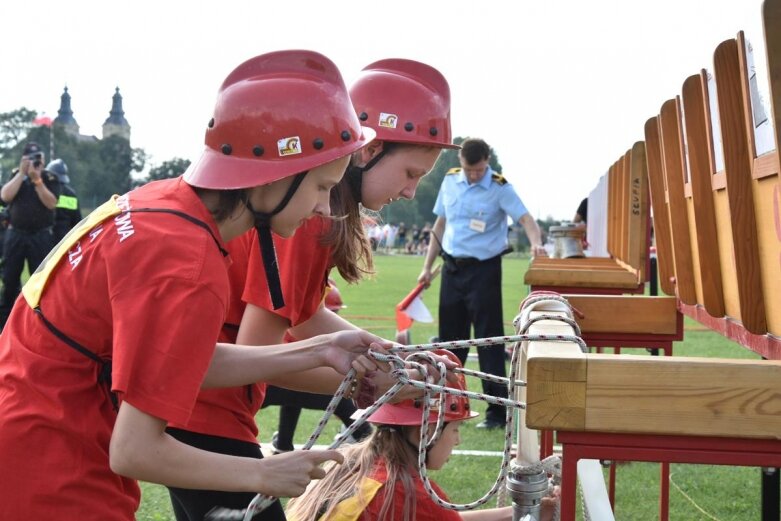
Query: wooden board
{"points": [[672, 154], [581, 278], [737, 168], [626, 314], [652, 395], [706, 262], [664, 253]]}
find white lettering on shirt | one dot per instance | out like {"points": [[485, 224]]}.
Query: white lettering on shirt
{"points": [[123, 222], [94, 233], [75, 255]]}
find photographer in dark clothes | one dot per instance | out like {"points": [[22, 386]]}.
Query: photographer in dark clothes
{"points": [[31, 196]]}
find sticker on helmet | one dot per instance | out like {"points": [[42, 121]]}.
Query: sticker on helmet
{"points": [[388, 120], [289, 146]]}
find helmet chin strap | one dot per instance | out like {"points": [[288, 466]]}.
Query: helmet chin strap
{"points": [[267, 251], [354, 175]]}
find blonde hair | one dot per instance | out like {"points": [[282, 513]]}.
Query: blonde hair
{"points": [[386, 444]]}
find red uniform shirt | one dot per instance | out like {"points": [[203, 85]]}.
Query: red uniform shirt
{"points": [[425, 508], [303, 269], [374, 488], [230, 412], [148, 291]]}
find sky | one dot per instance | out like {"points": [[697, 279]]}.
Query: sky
{"points": [[559, 88]]}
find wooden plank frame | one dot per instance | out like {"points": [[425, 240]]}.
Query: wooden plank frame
{"points": [[674, 165], [628, 238], [695, 103], [661, 216], [737, 168]]}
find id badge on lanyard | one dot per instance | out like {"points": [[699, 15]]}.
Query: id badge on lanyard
{"points": [[477, 225]]}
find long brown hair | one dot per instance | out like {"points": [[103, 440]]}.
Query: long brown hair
{"points": [[341, 482], [352, 252]]}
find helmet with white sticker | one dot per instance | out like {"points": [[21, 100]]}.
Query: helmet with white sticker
{"points": [[277, 115], [404, 101]]}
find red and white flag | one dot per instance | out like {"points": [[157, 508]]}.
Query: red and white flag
{"points": [[43, 121], [412, 308]]}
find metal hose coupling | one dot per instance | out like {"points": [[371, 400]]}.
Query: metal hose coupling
{"points": [[526, 491]]}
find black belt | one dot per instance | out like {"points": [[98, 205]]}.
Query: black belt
{"points": [[466, 262], [463, 262]]}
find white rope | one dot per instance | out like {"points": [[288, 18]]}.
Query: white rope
{"points": [[422, 352]]}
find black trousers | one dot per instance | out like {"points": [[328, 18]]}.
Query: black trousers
{"points": [[471, 296], [193, 505], [20, 246], [291, 403]]}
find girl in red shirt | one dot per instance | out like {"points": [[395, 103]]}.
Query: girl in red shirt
{"points": [[117, 330], [407, 103]]}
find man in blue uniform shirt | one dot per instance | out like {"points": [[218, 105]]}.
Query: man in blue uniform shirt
{"points": [[471, 233]]}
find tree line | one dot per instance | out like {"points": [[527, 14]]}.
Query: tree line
{"points": [[98, 168], [103, 167]]}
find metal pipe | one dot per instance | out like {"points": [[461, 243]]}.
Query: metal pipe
{"points": [[526, 491]]}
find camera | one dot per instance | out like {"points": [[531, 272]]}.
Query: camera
{"points": [[36, 159]]}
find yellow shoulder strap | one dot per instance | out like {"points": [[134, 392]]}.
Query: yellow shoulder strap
{"points": [[452, 171], [33, 289], [351, 508], [499, 178]]}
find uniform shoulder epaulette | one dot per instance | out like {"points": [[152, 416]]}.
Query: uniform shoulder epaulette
{"points": [[453, 171], [499, 178]]}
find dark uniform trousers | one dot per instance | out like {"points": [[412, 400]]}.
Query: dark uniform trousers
{"points": [[193, 504], [18, 246], [471, 295]]}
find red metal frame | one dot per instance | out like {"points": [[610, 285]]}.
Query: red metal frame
{"points": [[768, 346], [664, 449]]}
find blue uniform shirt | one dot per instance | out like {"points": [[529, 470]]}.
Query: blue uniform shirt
{"points": [[477, 214]]}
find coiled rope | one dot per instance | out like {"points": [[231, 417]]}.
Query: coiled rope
{"points": [[416, 354]]}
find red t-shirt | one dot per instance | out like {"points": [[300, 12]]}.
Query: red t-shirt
{"points": [[148, 291], [303, 269], [230, 412], [425, 508], [304, 264]]}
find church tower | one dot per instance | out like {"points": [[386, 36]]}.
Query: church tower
{"points": [[116, 124], [65, 115]]}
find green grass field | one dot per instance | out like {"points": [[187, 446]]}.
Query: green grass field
{"points": [[698, 492]]}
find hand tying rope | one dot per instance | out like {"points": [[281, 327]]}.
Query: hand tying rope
{"points": [[419, 358]]}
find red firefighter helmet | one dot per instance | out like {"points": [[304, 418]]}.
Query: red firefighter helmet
{"points": [[333, 298], [404, 101], [277, 115], [409, 412]]}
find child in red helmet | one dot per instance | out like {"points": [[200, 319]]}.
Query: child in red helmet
{"points": [[379, 478], [117, 330]]}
